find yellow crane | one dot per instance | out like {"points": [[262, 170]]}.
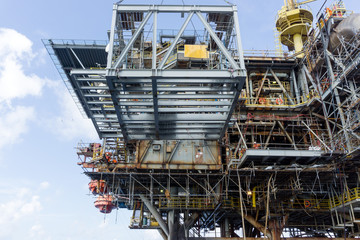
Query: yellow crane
{"points": [[293, 24]]}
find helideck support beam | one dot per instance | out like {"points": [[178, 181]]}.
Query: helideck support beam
{"points": [[156, 214]]}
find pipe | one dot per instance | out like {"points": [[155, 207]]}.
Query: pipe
{"points": [[254, 197], [298, 44], [156, 214]]}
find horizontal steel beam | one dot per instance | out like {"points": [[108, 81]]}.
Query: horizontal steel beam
{"points": [[166, 126], [172, 117], [148, 73], [163, 96], [190, 81], [78, 46], [175, 8], [163, 110], [173, 73], [164, 136], [177, 89], [164, 103]]}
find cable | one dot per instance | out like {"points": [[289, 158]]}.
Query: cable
{"points": [[229, 3]]}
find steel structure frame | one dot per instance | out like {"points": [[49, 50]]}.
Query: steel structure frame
{"points": [[167, 103], [288, 162], [336, 82]]}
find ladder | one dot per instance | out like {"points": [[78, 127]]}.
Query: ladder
{"points": [[278, 46]]}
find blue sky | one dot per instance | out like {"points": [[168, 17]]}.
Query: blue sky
{"points": [[43, 193]]}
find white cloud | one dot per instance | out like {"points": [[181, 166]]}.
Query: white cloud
{"points": [[13, 123], [37, 231], [44, 185], [70, 124], [19, 207], [15, 53]]}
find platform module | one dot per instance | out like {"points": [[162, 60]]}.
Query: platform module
{"points": [[200, 136], [148, 83]]}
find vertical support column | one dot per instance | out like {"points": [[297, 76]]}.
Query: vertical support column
{"points": [[227, 229], [186, 218], [154, 43], [112, 37], [238, 38], [172, 225], [275, 229]]}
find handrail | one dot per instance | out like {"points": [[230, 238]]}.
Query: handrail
{"points": [[278, 102], [206, 202]]}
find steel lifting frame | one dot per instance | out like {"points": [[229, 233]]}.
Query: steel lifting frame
{"points": [[154, 120]]}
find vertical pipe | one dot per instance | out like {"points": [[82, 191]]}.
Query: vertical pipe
{"points": [[298, 44], [254, 197], [296, 89]]}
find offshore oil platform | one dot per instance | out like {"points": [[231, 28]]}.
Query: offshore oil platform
{"points": [[203, 140]]}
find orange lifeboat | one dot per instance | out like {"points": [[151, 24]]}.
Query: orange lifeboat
{"points": [[104, 204], [96, 186]]}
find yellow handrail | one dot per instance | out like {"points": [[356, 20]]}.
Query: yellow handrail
{"points": [[232, 202]]}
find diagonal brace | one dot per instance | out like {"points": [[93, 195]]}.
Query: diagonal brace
{"points": [[132, 40], [173, 45], [218, 42]]}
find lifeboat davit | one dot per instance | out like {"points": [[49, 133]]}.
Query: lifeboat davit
{"points": [[104, 204], [97, 186]]}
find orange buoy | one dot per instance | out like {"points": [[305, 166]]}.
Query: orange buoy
{"points": [[112, 160], [279, 101], [104, 204], [262, 101], [96, 186]]}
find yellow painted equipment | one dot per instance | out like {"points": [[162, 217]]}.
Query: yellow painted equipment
{"points": [[196, 51], [293, 24]]}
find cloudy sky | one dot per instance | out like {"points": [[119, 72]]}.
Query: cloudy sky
{"points": [[43, 193]]}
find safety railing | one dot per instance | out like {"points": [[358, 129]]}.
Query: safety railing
{"points": [[310, 204], [294, 21], [98, 153], [279, 101], [234, 202], [348, 196], [191, 202]]}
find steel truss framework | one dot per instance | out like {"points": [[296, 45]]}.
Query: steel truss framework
{"points": [[148, 97], [190, 151]]}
